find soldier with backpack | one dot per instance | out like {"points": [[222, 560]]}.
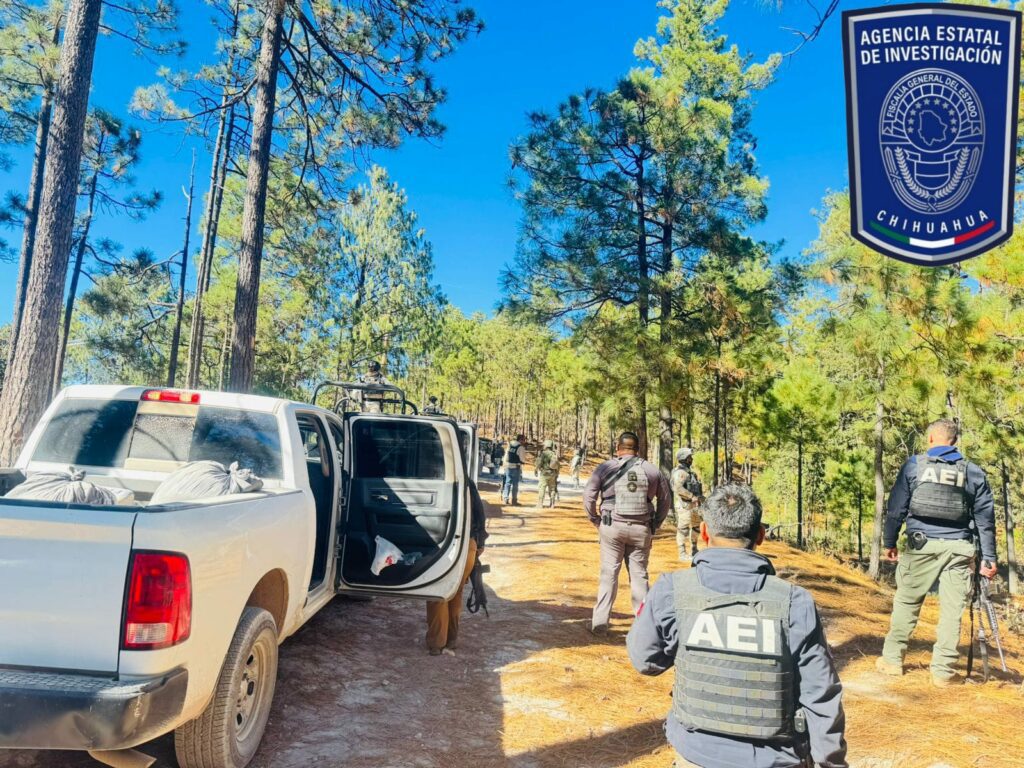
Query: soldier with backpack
{"points": [[547, 475], [688, 494], [756, 685], [626, 518]]}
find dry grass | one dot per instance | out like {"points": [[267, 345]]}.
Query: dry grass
{"points": [[578, 702]]}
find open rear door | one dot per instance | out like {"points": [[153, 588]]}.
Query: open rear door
{"points": [[406, 483], [469, 442]]}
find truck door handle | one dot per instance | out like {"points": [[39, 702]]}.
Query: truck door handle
{"points": [[381, 497]]}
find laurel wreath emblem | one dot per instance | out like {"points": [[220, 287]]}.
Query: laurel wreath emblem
{"points": [[944, 191]]}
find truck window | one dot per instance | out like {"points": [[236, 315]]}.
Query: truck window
{"points": [[249, 437], [406, 449], [87, 432], [103, 433]]}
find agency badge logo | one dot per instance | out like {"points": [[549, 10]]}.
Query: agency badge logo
{"points": [[931, 97]]}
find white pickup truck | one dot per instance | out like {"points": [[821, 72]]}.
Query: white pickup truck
{"points": [[122, 623]]}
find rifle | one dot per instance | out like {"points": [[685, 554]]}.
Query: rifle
{"points": [[981, 602], [477, 596]]}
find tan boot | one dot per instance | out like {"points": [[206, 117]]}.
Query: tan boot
{"points": [[947, 682]]}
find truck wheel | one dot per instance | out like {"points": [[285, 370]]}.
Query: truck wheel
{"points": [[228, 732]]}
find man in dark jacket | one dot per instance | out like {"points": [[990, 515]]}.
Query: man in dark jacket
{"points": [[756, 686], [443, 616], [946, 502]]}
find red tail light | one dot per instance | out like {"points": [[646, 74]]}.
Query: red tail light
{"points": [[159, 610], [171, 396]]}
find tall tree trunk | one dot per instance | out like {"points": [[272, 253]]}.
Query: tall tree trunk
{"points": [[35, 189], [800, 493], [1011, 545], [874, 566], [666, 439], [29, 380], [860, 525], [172, 365], [718, 405], [76, 274], [218, 174], [247, 290], [726, 451]]}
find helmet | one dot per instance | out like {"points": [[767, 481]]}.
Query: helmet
{"points": [[683, 454], [549, 444]]}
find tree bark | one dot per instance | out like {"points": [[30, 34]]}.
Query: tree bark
{"points": [[29, 380], [800, 493], [718, 405], [76, 274], [172, 365], [218, 175], [247, 290], [860, 525], [28, 235], [1011, 545], [874, 566]]}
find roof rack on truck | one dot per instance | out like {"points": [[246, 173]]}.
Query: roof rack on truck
{"points": [[352, 396]]}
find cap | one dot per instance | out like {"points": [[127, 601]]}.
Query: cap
{"points": [[683, 454]]}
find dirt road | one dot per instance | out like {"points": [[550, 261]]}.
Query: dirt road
{"points": [[531, 688]]}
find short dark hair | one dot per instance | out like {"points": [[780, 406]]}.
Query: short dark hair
{"points": [[520, 438], [631, 438], [946, 429], [733, 511], [433, 398]]}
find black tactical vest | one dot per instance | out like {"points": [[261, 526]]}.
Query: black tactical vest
{"points": [[512, 458], [734, 669], [939, 491]]}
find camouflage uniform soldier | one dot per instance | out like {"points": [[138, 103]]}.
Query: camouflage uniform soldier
{"points": [[576, 465], [372, 402], [687, 492], [547, 471]]}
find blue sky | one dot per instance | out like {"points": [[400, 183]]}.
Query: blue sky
{"points": [[531, 56]]}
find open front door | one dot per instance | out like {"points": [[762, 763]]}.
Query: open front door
{"points": [[407, 484]]}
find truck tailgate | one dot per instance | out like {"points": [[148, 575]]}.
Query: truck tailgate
{"points": [[62, 582]]}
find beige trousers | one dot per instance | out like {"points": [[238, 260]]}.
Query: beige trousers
{"points": [[443, 616], [622, 541]]}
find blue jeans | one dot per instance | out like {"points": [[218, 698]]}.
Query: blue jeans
{"points": [[510, 487]]}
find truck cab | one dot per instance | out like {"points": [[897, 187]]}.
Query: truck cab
{"points": [[125, 622]]}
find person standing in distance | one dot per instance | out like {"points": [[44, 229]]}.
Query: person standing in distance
{"points": [[372, 402], [547, 475], [756, 686], [432, 408], [576, 466], [626, 518], [515, 457], [946, 501], [687, 494]]}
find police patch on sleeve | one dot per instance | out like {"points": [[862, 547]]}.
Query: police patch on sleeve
{"points": [[931, 97]]}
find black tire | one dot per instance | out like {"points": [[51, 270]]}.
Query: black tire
{"points": [[228, 732]]}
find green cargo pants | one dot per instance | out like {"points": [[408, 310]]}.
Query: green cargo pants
{"points": [[952, 563]]}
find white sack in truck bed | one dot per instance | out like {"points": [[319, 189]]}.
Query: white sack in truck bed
{"points": [[203, 479], [69, 487]]}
